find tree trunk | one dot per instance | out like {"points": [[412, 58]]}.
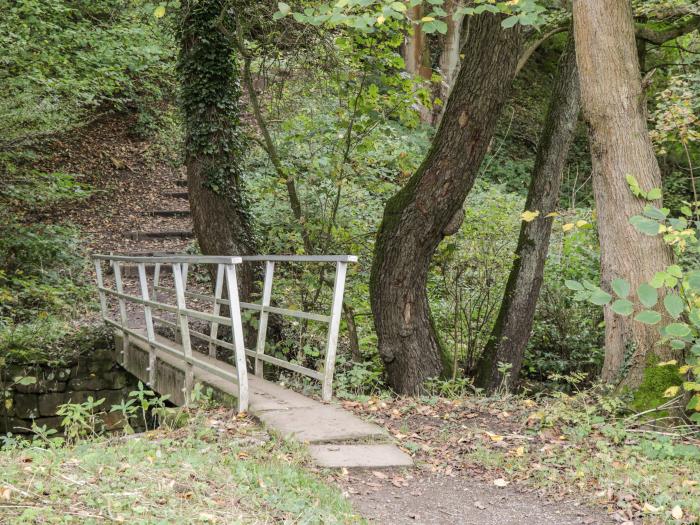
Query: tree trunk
{"points": [[449, 58], [512, 329], [213, 142], [416, 55], [614, 107], [429, 207]]}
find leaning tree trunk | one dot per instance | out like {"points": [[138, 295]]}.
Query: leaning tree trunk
{"points": [[210, 96], [512, 329], [429, 207], [614, 107]]}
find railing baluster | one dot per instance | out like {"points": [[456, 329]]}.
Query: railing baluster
{"points": [[123, 319], [238, 341], [262, 325], [184, 326], [333, 327], [100, 284], [218, 289], [150, 332]]}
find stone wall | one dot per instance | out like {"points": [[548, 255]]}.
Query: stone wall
{"points": [[96, 375]]}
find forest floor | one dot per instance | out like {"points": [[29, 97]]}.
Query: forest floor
{"points": [[478, 460]]}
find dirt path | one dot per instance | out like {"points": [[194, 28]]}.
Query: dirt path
{"points": [[437, 499]]}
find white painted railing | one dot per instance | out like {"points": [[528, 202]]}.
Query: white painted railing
{"points": [[158, 297]]}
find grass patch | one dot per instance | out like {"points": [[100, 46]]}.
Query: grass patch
{"points": [[217, 469]]}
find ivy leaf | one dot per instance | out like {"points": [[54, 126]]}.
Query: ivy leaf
{"points": [[159, 12], [694, 280], [648, 317], [694, 403], [25, 380], [672, 391], [621, 287], [654, 213], [622, 307], [695, 316], [529, 216], [674, 305], [677, 344], [647, 295]]}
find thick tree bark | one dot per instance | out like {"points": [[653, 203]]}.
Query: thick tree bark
{"points": [[512, 329], [210, 104], [614, 107], [429, 207]]}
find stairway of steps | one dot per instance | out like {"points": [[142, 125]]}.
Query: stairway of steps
{"points": [[175, 207]]}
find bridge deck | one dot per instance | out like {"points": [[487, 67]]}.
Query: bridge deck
{"points": [[338, 438]]}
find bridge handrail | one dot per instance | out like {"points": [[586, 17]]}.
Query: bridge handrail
{"points": [[225, 273]]}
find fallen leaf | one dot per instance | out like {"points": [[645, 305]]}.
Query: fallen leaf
{"points": [[529, 216], [500, 482], [378, 474], [479, 505], [677, 512], [648, 507]]}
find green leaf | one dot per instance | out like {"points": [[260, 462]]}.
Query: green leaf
{"points": [[658, 280], [694, 280], [647, 295], [283, 8], [654, 194], [654, 213], [509, 22], [644, 225], [694, 316], [621, 287], [675, 270], [600, 297], [398, 6], [25, 380], [159, 12], [648, 317], [674, 305], [693, 403], [677, 330], [677, 344], [573, 285], [622, 307]]}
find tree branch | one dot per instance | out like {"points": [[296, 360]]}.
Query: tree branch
{"points": [[660, 37]]}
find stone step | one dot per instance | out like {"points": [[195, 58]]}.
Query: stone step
{"points": [[165, 234], [181, 182], [169, 213], [176, 194], [359, 456]]}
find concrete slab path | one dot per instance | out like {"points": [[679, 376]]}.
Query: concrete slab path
{"points": [[337, 437]]}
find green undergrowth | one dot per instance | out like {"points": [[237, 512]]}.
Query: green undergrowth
{"points": [[217, 469], [589, 445]]}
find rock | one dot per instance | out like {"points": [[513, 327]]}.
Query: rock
{"points": [[42, 386], [26, 406], [105, 381]]}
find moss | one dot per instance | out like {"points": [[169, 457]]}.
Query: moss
{"points": [[657, 379]]}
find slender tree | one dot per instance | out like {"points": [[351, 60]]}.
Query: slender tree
{"points": [[512, 329], [429, 207], [614, 107], [210, 95]]}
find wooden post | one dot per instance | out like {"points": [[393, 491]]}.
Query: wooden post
{"points": [[123, 320], [183, 325], [333, 328], [218, 289], [238, 341], [150, 332], [262, 325], [184, 272]]}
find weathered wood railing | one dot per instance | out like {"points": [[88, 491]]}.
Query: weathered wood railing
{"points": [[159, 297]]}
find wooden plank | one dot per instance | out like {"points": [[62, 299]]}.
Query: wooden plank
{"points": [[122, 303], [183, 323], [216, 309]]}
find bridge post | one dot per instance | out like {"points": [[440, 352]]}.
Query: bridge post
{"points": [[184, 271], [238, 341], [183, 324], [123, 319], [101, 284], [333, 328], [150, 332], [262, 325], [156, 282], [218, 289]]}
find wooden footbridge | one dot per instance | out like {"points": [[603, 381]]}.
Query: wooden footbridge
{"points": [[161, 302]]}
